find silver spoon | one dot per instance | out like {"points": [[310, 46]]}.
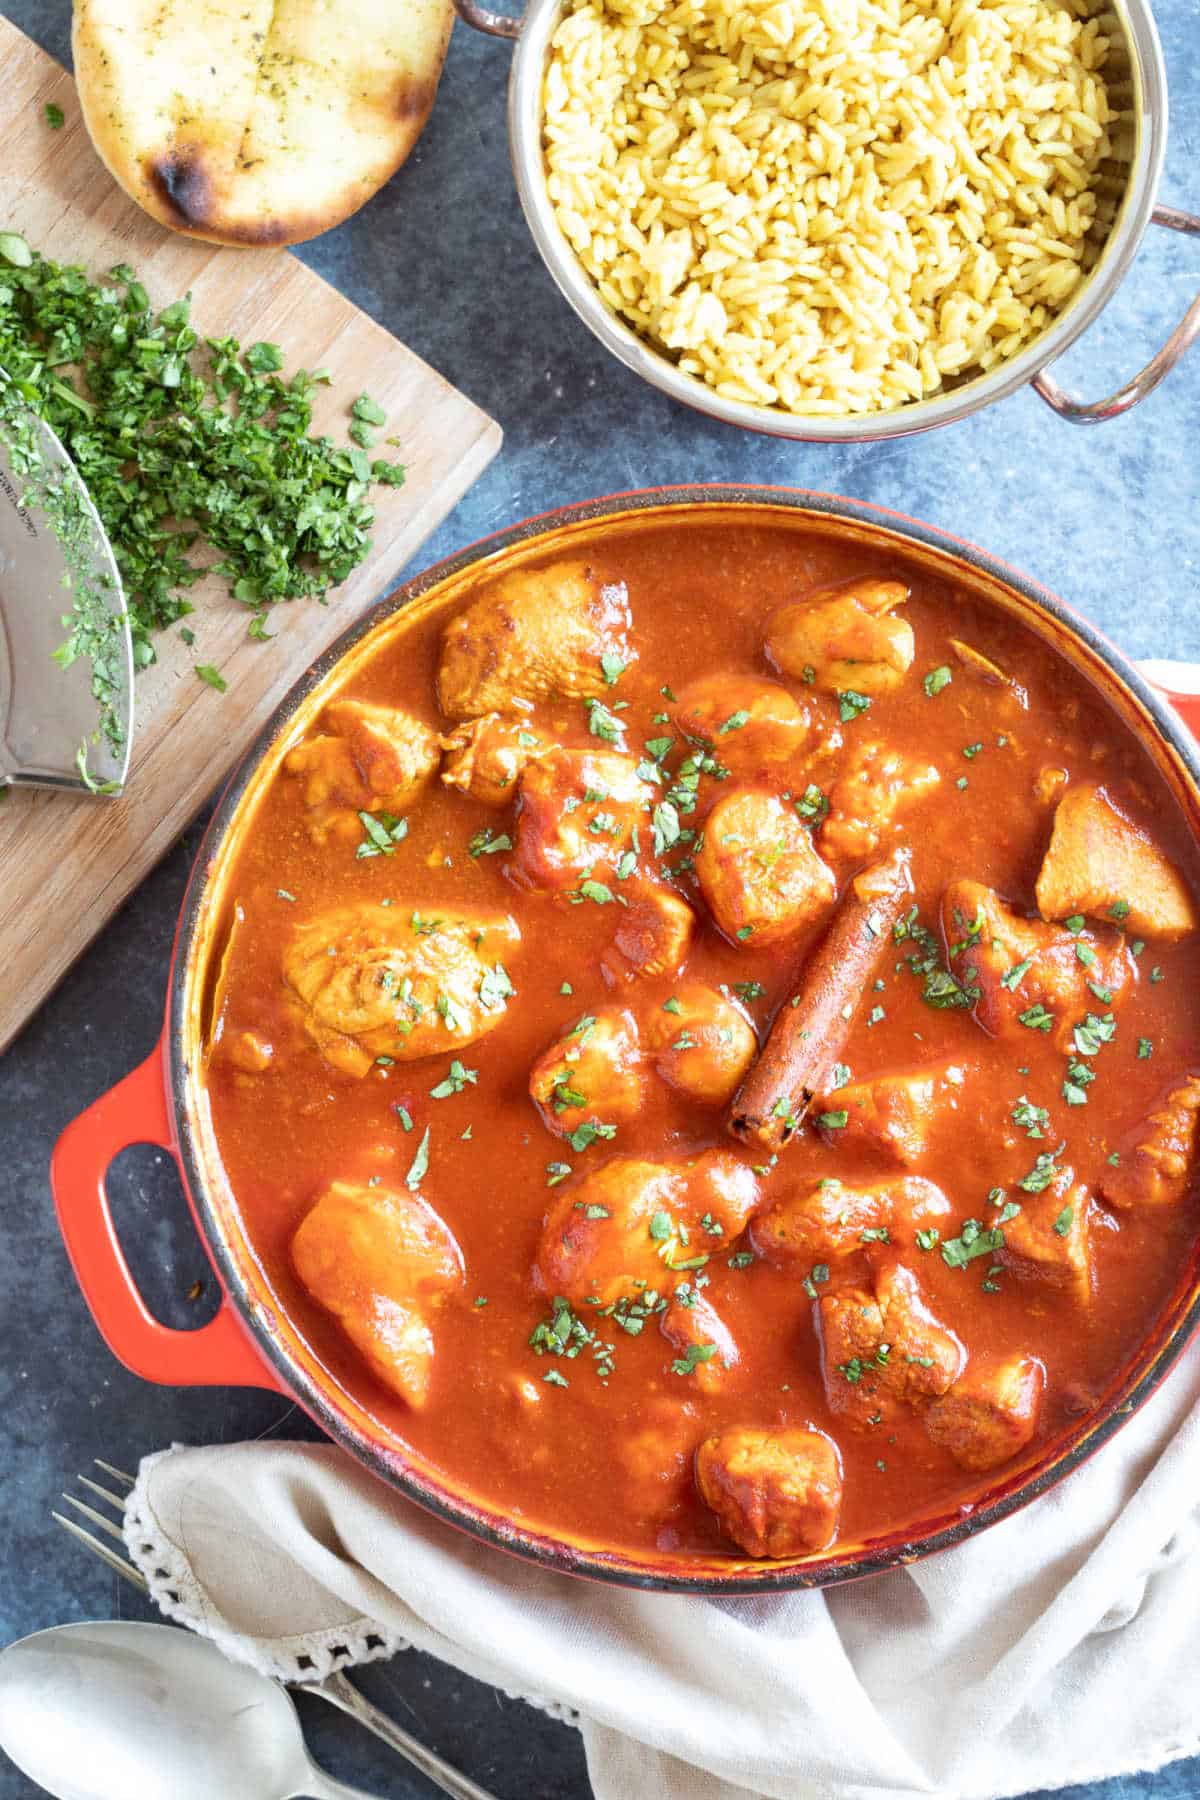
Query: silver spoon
{"points": [[104, 1711]]}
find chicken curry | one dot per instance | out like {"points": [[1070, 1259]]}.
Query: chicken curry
{"points": [[704, 1041]]}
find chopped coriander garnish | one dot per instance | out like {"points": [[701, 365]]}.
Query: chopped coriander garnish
{"points": [[589, 1132], [1042, 1173], [556, 1172], [419, 1164], [1011, 978], [734, 722], [495, 987], [971, 751], [404, 1116], [666, 828], [1032, 1119], [602, 723], [383, 832], [488, 843], [566, 988], [1062, 1224], [611, 667], [927, 1240], [851, 705], [672, 1005], [812, 806], [1037, 1018], [55, 117], [1093, 1033], [749, 990], [454, 1083], [937, 679], [973, 1240], [834, 1121], [595, 891], [743, 932], [741, 1259], [1119, 910], [692, 1358], [212, 676], [1145, 1049]]}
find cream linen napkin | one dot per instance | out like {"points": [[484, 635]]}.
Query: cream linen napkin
{"points": [[1061, 1646]]}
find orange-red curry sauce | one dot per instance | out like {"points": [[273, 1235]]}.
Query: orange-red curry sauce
{"points": [[608, 1460]]}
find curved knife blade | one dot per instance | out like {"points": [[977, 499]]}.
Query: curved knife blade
{"points": [[48, 710]]}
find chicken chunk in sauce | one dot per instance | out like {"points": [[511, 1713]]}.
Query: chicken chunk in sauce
{"points": [[883, 1348], [696, 1041], [534, 635], [703, 1345], [844, 639], [577, 815], [631, 1224], [382, 1263], [756, 729], [1049, 1239], [829, 1220], [396, 982], [991, 1413], [370, 758], [775, 1493], [483, 758], [652, 936], [1154, 1166], [1100, 864], [891, 1114], [1024, 975], [875, 786], [758, 870]]}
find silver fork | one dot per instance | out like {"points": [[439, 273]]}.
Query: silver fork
{"points": [[337, 1688]]}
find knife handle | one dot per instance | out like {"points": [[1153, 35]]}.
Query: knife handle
{"points": [[136, 1111]]}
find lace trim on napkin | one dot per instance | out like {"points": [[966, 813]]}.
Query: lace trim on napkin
{"points": [[177, 1593], [305, 1659]]}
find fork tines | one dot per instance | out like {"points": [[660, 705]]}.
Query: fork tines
{"points": [[103, 1523]]}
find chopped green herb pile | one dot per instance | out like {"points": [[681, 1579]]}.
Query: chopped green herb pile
{"points": [[196, 453]]}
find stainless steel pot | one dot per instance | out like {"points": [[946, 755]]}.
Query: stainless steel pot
{"points": [[1128, 193]]}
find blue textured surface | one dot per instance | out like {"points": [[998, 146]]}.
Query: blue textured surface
{"points": [[1110, 517]]}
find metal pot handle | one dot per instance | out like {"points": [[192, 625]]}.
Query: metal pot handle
{"points": [[1082, 412], [482, 18]]}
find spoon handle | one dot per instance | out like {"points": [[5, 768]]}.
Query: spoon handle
{"points": [[342, 1693]]}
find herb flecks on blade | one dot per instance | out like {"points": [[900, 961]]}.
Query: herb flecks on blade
{"points": [[197, 454]]}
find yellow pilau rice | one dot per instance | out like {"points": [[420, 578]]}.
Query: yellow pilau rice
{"points": [[829, 206]]}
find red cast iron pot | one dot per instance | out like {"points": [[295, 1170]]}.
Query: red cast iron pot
{"points": [[252, 1342]]}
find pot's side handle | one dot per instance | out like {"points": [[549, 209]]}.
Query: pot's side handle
{"points": [[1179, 683], [482, 18], [219, 1354], [1094, 412]]}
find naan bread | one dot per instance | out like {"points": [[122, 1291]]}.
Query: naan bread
{"points": [[253, 122]]}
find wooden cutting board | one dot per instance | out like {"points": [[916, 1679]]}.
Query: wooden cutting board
{"points": [[66, 864]]}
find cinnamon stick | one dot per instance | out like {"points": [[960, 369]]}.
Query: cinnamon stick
{"points": [[810, 1028]]}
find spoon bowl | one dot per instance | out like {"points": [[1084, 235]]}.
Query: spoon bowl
{"points": [[102, 1711]]}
